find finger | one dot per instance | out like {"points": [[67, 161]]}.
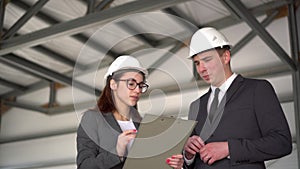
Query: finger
{"points": [[197, 141], [211, 161], [201, 141], [174, 162], [177, 156], [132, 131], [206, 159], [192, 149]]}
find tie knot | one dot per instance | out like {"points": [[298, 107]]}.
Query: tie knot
{"points": [[217, 90]]}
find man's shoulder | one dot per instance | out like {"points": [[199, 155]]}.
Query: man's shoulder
{"points": [[254, 80]]}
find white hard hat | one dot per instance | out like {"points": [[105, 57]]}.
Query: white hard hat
{"points": [[205, 39], [125, 62]]}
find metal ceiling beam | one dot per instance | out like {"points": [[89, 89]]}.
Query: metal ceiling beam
{"points": [[294, 41], [42, 49], [95, 45], [52, 21], [57, 57], [25, 106], [256, 11], [43, 16], [172, 11], [137, 34], [264, 72], [165, 57], [52, 95], [12, 85], [168, 90], [261, 32], [247, 38], [83, 23], [234, 15], [29, 13], [90, 6], [103, 4], [47, 73], [31, 88], [2, 13], [220, 23]]}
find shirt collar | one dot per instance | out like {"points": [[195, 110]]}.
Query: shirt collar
{"points": [[224, 87]]}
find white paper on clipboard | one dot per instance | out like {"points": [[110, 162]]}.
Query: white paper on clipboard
{"points": [[158, 138]]}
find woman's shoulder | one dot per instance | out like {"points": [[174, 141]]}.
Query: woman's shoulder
{"points": [[93, 115]]}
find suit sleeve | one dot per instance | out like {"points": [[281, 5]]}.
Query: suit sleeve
{"points": [[89, 154], [193, 112], [275, 140]]}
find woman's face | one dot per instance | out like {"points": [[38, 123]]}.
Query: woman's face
{"points": [[122, 94]]}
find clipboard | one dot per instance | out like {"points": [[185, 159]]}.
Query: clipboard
{"points": [[158, 138]]}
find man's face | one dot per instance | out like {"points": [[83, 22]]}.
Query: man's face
{"points": [[210, 67]]}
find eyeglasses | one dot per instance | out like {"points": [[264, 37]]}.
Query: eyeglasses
{"points": [[132, 84]]}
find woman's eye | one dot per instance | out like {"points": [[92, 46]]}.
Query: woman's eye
{"points": [[131, 83]]}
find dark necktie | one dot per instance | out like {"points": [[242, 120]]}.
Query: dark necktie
{"points": [[214, 105]]}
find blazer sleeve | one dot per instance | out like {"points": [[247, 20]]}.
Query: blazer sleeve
{"points": [[275, 140], [89, 154]]}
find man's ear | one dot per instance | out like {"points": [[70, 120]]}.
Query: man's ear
{"points": [[227, 56], [113, 84]]}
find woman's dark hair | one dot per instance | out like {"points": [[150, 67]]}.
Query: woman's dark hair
{"points": [[105, 102]]}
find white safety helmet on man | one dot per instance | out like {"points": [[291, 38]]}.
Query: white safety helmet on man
{"points": [[125, 62], [206, 39]]}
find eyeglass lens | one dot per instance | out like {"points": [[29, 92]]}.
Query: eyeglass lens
{"points": [[132, 84]]}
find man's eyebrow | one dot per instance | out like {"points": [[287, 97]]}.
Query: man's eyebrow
{"points": [[206, 57]]}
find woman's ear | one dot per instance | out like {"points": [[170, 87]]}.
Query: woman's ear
{"points": [[113, 84]]}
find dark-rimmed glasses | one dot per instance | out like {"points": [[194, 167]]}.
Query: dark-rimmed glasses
{"points": [[132, 84]]}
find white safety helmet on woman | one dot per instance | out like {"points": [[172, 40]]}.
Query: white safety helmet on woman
{"points": [[125, 62], [206, 39]]}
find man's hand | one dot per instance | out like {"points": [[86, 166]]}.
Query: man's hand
{"points": [[192, 146], [214, 151]]}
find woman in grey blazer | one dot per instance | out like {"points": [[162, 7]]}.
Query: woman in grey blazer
{"points": [[106, 132]]}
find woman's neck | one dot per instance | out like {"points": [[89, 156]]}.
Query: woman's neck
{"points": [[122, 114]]}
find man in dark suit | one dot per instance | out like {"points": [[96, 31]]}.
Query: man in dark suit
{"points": [[240, 121]]}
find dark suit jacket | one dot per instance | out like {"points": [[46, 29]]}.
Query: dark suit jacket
{"points": [[253, 123], [96, 141]]}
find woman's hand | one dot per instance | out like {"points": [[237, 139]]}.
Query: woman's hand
{"points": [[123, 139], [176, 161]]}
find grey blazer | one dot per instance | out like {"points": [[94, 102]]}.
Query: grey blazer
{"points": [[97, 138], [252, 121]]}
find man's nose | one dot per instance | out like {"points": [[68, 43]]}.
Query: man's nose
{"points": [[201, 67]]}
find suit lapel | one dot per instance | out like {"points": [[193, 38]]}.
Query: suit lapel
{"points": [[209, 127], [203, 105], [236, 84]]}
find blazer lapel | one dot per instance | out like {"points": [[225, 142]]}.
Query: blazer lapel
{"points": [[110, 119]]}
